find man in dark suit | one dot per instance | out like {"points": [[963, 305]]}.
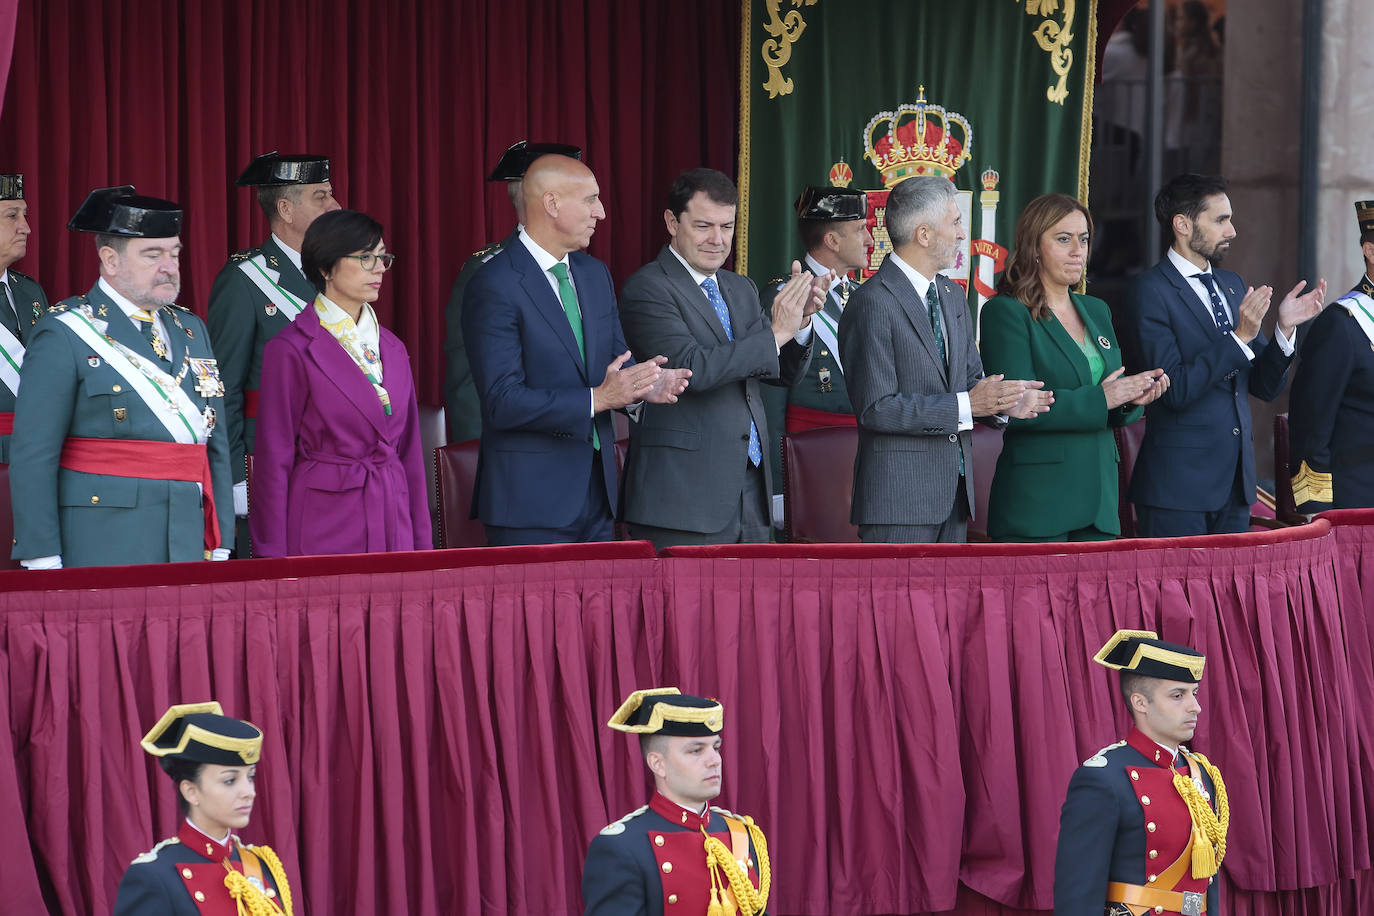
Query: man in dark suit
{"points": [[915, 379], [460, 395], [22, 301], [117, 456], [1195, 473], [697, 473], [1143, 827], [1331, 438], [541, 324], [674, 854], [258, 292]]}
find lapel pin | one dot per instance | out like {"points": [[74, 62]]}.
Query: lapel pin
{"points": [[270, 310], [1103, 342], [93, 360]]}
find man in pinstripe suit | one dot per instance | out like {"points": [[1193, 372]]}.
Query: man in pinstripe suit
{"points": [[915, 378]]}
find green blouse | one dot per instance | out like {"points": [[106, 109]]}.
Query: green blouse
{"points": [[1093, 356]]}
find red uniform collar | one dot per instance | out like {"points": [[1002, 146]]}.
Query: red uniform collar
{"points": [[1152, 750], [679, 815], [201, 844]]}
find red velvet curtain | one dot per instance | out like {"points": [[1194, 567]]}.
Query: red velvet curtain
{"points": [[413, 102], [903, 721]]}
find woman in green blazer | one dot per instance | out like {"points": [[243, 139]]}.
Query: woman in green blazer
{"points": [[1056, 478]]}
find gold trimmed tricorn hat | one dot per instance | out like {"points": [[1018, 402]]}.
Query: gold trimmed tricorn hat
{"points": [[11, 186], [1364, 215], [202, 733], [668, 711], [1143, 652]]}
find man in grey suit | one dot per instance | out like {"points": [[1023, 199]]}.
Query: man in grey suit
{"points": [[916, 381], [696, 472]]}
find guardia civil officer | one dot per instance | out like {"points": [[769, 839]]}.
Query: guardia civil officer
{"points": [[1331, 406], [260, 291], [460, 394], [117, 454], [1143, 828], [205, 869], [22, 301], [677, 854]]}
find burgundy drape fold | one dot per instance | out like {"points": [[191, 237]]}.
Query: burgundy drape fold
{"points": [[413, 102], [902, 721]]}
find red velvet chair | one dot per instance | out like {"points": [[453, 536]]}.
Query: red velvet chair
{"points": [[818, 485], [433, 434], [6, 520], [1285, 506], [455, 471], [987, 446], [1128, 439]]}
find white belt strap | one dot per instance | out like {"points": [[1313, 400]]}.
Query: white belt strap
{"points": [[11, 358], [1362, 308], [167, 400], [255, 269]]}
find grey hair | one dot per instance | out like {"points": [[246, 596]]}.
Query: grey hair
{"points": [[916, 202]]}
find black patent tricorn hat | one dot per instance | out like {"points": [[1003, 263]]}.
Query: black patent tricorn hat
{"points": [[1143, 652], [275, 169], [119, 211], [517, 160]]}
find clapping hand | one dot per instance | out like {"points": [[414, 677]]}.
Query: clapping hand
{"points": [[1296, 309]]}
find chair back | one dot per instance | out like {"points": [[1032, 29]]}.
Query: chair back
{"points": [[1285, 506], [1128, 440], [455, 471], [6, 519], [818, 485], [987, 447]]}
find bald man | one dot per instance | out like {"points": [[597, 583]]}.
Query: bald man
{"points": [[549, 362]]}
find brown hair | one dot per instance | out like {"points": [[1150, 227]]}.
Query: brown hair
{"points": [[1021, 279]]}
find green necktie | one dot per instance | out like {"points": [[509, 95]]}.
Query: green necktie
{"points": [[568, 296], [937, 324]]}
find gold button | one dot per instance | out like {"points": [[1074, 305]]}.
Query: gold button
{"points": [[1144, 799], [672, 898], [186, 873], [658, 840], [1159, 909], [200, 898], [1150, 826], [117, 389], [1151, 879], [271, 893], [1134, 774], [667, 867], [95, 499], [1154, 853]]}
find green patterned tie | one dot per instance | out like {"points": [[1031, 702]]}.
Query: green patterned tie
{"points": [[568, 296], [937, 324]]}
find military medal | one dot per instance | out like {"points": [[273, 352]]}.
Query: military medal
{"points": [[159, 345], [120, 413], [1104, 343], [270, 309], [189, 333], [94, 361], [209, 418], [208, 382], [104, 311], [824, 376]]}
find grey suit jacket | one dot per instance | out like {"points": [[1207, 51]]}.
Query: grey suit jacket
{"points": [[907, 468], [687, 460]]}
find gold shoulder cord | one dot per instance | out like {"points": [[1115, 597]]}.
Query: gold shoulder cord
{"points": [[1209, 827], [720, 860], [251, 901]]}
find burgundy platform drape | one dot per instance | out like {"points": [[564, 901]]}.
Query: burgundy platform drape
{"points": [[413, 101], [903, 721]]}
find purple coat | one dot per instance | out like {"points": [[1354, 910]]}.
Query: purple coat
{"points": [[332, 473]]}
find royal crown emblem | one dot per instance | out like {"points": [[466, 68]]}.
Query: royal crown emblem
{"points": [[917, 139], [841, 174]]}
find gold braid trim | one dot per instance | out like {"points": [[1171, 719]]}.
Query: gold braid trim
{"points": [[251, 901], [273, 863], [1209, 827], [751, 901]]}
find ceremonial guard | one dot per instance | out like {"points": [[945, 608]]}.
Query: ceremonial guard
{"points": [[460, 394], [1143, 828], [260, 291], [833, 225], [1331, 406], [116, 456], [677, 854], [205, 870], [22, 304]]}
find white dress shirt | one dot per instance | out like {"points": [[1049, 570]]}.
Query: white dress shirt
{"points": [[1204, 295]]}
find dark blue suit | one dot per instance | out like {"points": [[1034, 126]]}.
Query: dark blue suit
{"points": [[1197, 455], [537, 470]]}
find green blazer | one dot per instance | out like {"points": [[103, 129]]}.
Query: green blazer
{"points": [[1058, 471]]}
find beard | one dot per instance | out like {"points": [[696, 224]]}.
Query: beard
{"points": [[1213, 253]]}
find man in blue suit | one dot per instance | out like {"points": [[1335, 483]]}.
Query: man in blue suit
{"points": [[1196, 470], [550, 364]]}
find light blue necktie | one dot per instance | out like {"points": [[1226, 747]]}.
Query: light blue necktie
{"points": [[717, 303]]}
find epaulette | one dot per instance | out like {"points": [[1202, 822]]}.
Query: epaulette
{"points": [[618, 827], [1098, 759], [21, 275], [184, 308], [243, 255], [487, 252], [151, 855]]}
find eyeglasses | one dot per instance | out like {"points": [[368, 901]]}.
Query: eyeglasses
{"points": [[369, 261]]}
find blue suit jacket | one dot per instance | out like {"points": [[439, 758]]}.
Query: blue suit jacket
{"points": [[1199, 431], [533, 386]]}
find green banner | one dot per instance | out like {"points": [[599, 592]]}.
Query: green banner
{"points": [[994, 94]]}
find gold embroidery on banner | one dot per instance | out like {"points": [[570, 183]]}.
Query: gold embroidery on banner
{"points": [[1055, 37], [777, 50]]}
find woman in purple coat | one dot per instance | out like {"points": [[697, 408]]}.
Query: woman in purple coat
{"points": [[338, 465]]}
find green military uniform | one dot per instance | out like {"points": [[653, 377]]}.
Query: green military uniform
{"points": [[90, 376], [460, 394], [30, 303]]}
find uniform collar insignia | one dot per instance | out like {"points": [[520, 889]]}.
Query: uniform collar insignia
{"points": [[676, 814]]}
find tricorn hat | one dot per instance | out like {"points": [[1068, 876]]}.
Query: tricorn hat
{"points": [[1144, 653], [275, 169], [119, 211], [1364, 215], [11, 186], [202, 733], [516, 161], [668, 711], [832, 204]]}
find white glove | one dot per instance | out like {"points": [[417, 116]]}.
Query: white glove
{"points": [[42, 563], [241, 499]]}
